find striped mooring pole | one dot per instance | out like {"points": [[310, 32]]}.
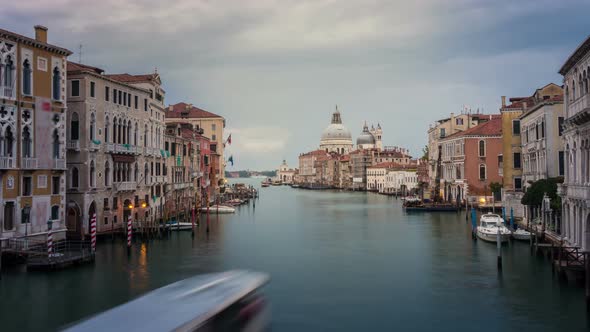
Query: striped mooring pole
{"points": [[49, 239], [93, 232], [129, 231]]}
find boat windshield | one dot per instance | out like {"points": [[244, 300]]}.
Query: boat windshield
{"points": [[490, 223]]}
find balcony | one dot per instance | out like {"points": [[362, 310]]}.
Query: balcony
{"points": [[578, 105], [73, 145], [574, 191], [178, 186], [109, 147], [8, 92], [126, 186], [7, 162], [29, 163], [59, 164]]}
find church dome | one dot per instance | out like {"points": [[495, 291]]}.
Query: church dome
{"points": [[336, 130], [365, 137]]}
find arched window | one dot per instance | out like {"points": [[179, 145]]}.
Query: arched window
{"points": [[55, 144], [581, 85], [115, 130], [145, 173], [27, 143], [135, 134], [74, 127], [92, 174], [106, 130], [8, 141], [573, 90], [107, 174], [136, 174], [145, 135], [482, 172], [128, 132], [119, 132], [55, 212], [75, 178], [92, 126], [482, 148], [128, 172], [27, 77], [8, 76], [56, 84]]}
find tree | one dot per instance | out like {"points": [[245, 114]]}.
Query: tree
{"points": [[496, 189], [534, 194]]}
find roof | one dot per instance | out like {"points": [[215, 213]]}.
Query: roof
{"points": [[184, 110], [128, 78], [15, 37], [492, 127], [576, 56], [345, 158], [550, 101], [73, 66], [389, 164]]}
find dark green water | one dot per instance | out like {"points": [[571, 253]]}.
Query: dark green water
{"points": [[338, 262]]}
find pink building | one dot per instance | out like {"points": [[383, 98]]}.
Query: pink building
{"points": [[471, 161]]}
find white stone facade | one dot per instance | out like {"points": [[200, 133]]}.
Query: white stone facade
{"points": [[575, 190]]}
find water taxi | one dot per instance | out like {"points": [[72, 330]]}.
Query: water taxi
{"points": [[227, 301], [218, 209], [489, 226]]}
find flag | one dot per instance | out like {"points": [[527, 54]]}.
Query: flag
{"points": [[231, 159], [229, 139]]}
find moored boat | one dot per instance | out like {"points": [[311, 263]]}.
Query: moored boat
{"points": [[227, 301], [219, 209], [489, 226], [522, 235], [179, 226]]}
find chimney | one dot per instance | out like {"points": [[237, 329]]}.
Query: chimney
{"points": [[524, 106], [41, 33], [503, 101], [170, 108]]}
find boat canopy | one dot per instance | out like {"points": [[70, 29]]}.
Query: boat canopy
{"points": [[183, 305]]}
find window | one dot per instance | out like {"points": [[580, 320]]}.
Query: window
{"points": [[459, 121], [516, 160], [27, 186], [106, 130], [166, 146], [56, 84], [27, 73], [75, 178], [120, 97], [561, 163], [114, 219], [145, 105], [41, 181], [115, 206], [92, 87], [55, 185], [107, 174], [136, 99], [213, 147], [442, 132], [8, 216], [106, 220], [74, 127], [173, 148], [184, 149], [106, 93], [55, 144], [92, 126], [124, 98], [129, 99], [114, 96], [543, 129], [516, 127], [7, 142], [517, 183], [55, 212], [537, 131], [213, 127], [482, 148], [560, 125], [482, 172], [27, 143]]}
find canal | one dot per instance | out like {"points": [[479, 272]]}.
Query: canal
{"points": [[339, 261]]}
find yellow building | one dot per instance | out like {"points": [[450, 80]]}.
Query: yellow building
{"points": [[32, 135]]}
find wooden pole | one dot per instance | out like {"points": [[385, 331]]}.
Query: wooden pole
{"points": [[499, 246], [587, 268]]}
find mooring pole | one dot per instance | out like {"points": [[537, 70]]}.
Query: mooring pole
{"points": [[587, 268], [499, 246]]}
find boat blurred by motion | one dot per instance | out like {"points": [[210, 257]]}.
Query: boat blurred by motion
{"points": [[226, 301]]}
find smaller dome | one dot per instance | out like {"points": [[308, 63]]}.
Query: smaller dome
{"points": [[365, 137]]}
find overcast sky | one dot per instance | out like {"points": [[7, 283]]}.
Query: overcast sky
{"points": [[275, 69]]}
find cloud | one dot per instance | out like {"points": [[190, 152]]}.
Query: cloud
{"points": [[259, 140]]}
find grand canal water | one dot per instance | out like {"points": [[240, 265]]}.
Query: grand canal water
{"points": [[339, 261]]}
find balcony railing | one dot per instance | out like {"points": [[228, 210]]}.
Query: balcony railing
{"points": [[575, 191], [126, 186], [7, 162], [29, 163], [178, 186], [8, 92], [73, 145], [578, 105], [59, 164], [109, 147]]}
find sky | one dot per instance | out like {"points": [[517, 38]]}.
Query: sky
{"points": [[276, 69]]}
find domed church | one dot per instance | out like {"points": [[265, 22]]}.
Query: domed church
{"points": [[336, 137], [370, 139]]}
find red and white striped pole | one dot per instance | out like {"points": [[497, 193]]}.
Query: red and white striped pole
{"points": [[93, 232], [49, 240], [129, 231]]}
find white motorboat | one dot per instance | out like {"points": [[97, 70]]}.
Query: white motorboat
{"points": [[179, 226], [489, 226], [219, 209], [522, 235]]}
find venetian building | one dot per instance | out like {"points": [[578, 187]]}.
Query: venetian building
{"points": [[336, 137], [575, 190], [366, 139]]}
